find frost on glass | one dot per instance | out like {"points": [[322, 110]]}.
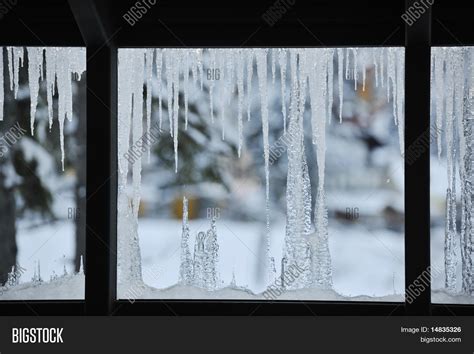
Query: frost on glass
{"points": [[193, 108], [452, 157], [41, 185]]}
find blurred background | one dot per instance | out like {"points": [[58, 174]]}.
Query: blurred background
{"points": [[42, 208], [364, 186]]}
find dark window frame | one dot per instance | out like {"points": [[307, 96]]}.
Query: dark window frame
{"points": [[102, 30]]}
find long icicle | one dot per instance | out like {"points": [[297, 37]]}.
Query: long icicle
{"points": [[249, 80], [340, 79], [240, 92], [35, 58], [282, 59], [159, 84], [261, 56], [149, 94]]}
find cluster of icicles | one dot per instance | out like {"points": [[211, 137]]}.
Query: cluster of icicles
{"points": [[453, 111], [199, 269], [59, 66], [318, 73]]}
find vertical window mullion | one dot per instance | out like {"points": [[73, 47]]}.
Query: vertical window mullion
{"points": [[417, 170], [101, 179], [100, 260]]}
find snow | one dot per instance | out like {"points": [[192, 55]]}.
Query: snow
{"points": [[34, 248], [239, 247], [176, 292], [70, 287]]}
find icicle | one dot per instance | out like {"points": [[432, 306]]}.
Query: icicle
{"points": [[2, 94], [450, 241], [200, 66], [391, 78], [212, 60], [354, 53], [10, 66], [194, 67], [330, 83], [35, 57], [149, 95], [130, 118], [78, 61], [185, 272], [224, 80], [63, 77], [240, 92], [261, 57], [282, 59], [318, 94], [347, 63], [185, 88], [439, 57], [137, 121], [400, 97], [125, 90], [382, 60], [50, 55], [159, 66], [211, 248], [169, 86], [364, 70], [340, 66], [298, 192], [199, 279], [274, 54], [17, 61], [376, 66], [466, 162], [249, 80], [230, 57], [175, 72], [322, 270]]}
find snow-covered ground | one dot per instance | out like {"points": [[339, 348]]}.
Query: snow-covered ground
{"points": [[365, 262], [52, 247]]}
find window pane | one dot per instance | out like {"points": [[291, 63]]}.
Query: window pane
{"points": [[42, 172], [452, 169], [261, 173]]}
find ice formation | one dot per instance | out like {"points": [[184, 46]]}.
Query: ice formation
{"points": [[206, 256], [453, 108], [229, 72], [62, 65], [186, 264]]}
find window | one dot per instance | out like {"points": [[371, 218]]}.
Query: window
{"points": [[386, 249], [42, 173], [261, 173]]}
